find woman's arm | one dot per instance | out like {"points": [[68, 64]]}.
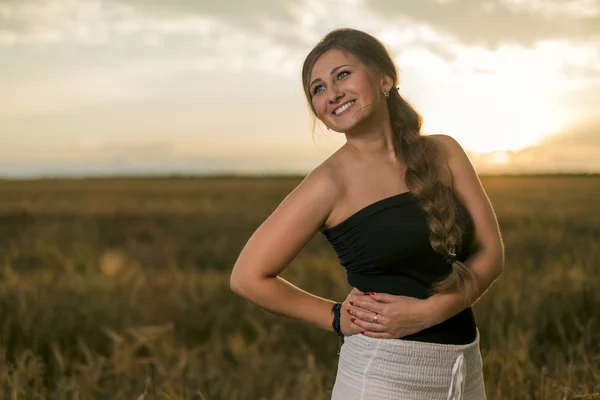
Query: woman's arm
{"points": [[487, 262], [277, 242]]}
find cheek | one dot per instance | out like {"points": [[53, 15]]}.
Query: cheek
{"points": [[320, 107], [366, 90]]}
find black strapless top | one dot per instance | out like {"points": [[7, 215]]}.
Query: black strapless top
{"points": [[385, 248]]}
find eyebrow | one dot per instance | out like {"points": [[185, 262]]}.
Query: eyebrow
{"points": [[331, 73]]}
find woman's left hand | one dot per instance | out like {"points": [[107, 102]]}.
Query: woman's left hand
{"points": [[397, 316]]}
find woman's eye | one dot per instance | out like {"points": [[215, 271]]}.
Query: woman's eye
{"points": [[316, 89], [343, 72]]}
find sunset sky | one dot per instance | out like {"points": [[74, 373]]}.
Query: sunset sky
{"points": [[186, 86]]}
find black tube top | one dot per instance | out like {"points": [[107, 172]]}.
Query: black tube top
{"points": [[385, 248]]}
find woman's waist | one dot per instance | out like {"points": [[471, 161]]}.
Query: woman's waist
{"points": [[459, 329], [399, 285]]}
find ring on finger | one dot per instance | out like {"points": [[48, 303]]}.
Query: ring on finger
{"points": [[375, 318]]}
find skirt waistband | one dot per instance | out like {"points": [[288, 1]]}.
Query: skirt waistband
{"points": [[409, 347]]}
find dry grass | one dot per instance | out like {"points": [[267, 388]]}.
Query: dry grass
{"points": [[118, 289]]}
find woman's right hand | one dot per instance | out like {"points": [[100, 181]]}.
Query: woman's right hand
{"points": [[346, 325]]}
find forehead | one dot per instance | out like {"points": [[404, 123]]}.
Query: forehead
{"points": [[329, 60]]}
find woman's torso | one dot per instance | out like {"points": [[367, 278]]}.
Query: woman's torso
{"points": [[383, 243]]}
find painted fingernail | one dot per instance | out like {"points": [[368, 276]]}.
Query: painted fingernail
{"points": [[353, 319], [348, 311], [351, 303], [363, 332], [371, 293]]}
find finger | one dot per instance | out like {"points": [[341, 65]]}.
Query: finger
{"points": [[371, 326], [352, 299], [383, 297], [365, 316], [379, 335], [357, 294], [369, 305], [356, 291]]}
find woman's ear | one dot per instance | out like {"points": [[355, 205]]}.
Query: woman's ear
{"points": [[387, 83]]}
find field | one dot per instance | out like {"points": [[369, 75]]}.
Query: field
{"points": [[119, 289]]}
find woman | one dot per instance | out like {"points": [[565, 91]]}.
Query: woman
{"points": [[410, 222]]}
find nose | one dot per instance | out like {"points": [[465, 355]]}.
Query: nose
{"points": [[334, 94]]}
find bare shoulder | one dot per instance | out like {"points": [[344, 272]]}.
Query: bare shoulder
{"points": [[444, 147], [448, 146], [455, 159], [320, 188]]}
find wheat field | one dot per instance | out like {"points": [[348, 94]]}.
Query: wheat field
{"points": [[119, 289]]}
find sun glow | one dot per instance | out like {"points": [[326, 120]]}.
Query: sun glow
{"points": [[500, 157], [485, 100], [490, 116]]}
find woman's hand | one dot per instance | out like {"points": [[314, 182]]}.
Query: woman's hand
{"points": [[346, 324], [397, 316]]}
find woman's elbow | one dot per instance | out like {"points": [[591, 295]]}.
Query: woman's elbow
{"points": [[234, 284], [499, 260], [493, 258], [237, 284], [238, 278], [243, 284]]}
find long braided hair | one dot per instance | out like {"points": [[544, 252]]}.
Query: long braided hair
{"points": [[419, 152]]}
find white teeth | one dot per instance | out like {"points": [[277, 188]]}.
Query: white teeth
{"points": [[344, 107]]}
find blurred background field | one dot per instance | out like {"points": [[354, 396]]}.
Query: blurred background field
{"points": [[119, 289]]}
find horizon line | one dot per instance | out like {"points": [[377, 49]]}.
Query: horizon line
{"points": [[262, 176]]}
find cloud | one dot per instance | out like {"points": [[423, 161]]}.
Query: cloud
{"points": [[298, 23], [93, 23], [286, 30], [32, 21], [97, 22], [185, 35], [241, 11], [491, 23]]}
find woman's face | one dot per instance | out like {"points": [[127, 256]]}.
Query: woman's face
{"points": [[344, 91]]}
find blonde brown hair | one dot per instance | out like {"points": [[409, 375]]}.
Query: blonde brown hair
{"points": [[419, 152]]}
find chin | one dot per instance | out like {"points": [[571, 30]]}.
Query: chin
{"points": [[348, 126], [344, 126]]}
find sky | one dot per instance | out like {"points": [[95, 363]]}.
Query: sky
{"points": [[105, 87]]}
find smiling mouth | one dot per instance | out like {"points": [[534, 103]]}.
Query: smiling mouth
{"points": [[341, 110]]}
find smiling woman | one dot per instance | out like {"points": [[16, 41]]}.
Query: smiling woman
{"points": [[410, 223]]}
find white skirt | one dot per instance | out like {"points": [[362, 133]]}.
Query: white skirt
{"points": [[386, 369]]}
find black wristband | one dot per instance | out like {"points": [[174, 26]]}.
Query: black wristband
{"points": [[336, 321]]}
